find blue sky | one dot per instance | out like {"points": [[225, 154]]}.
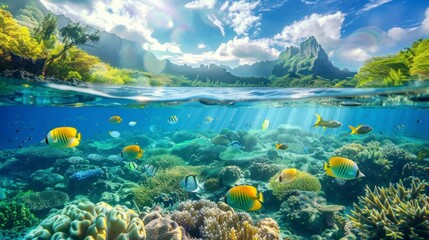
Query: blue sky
{"points": [[240, 32]]}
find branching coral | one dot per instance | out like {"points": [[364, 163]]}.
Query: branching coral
{"points": [[203, 219], [165, 181], [394, 212], [14, 215]]}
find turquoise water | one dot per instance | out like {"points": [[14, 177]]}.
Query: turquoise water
{"points": [[398, 116]]}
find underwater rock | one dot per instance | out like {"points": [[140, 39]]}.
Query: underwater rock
{"points": [[187, 148], [77, 221], [220, 140], [248, 141], [42, 179], [319, 153], [300, 213], [394, 212], [164, 228], [46, 200], [142, 140], [96, 159], [208, 154], [263, 171], [212, 184], [182, 136], [229, 175]]}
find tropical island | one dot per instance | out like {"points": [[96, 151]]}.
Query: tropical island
{"points": [[38, 43]]}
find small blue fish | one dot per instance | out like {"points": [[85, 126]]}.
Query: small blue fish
{"points": [[235, 145]]}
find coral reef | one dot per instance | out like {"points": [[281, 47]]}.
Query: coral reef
{"points": [[44, 178], [303, 181], [39, 201], [165, 181], [212, 184], [394, 212], [100, 221], [16, 216], [263, 171], [204, 219], [220, 140], [165, 161], [229, 175], [90, 173]]}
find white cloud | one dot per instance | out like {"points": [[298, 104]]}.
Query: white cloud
{"points": [[241, 17], [217, 23], [201, 4], [355, 54], [325, 28], [235, 52], [224, 6], [202, 46], [126, 18], [373, 4]]}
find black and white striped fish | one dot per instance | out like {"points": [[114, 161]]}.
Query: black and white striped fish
{"points": [[208, 120], [191, 184], [150, 169], [173, 119]]}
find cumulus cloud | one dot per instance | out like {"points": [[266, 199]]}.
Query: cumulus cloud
{"points": [[235, 52], [202, 46], [126, 18], [373, 4], [241, 16], [325, 28], [355, 54], [201, 4], [217, 23]]}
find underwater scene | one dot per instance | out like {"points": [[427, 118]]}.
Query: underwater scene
{"points": [[214, 119], [319, 164]]}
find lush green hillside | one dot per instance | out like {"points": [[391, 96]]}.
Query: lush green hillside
{"points": [[409, 64]]}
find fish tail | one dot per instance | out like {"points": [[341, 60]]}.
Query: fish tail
{"points": [[260, 197], [325, 166], [318, 121], [256, 206], [79, 136], [74, 143], [354, 131], [277, 145]]}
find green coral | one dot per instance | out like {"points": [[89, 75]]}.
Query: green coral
{"points": [[303, 181], [165, 161], [212, 184], [394, 212], [14, 215], [165, 181]]}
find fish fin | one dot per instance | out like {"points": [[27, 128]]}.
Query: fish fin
{"points": [[256, 206], [319, 119], [79, 136], [260, 197], [360, 174], [74, 143], [354, 131], [325, 166], [277, 145]]}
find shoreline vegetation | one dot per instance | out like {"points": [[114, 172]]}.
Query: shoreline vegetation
{"points": [[46, 53]]}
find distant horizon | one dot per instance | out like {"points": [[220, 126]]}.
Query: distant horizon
{"points": [[235, 33]]}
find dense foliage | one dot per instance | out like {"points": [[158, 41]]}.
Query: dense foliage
{"points": [[410, 63]]}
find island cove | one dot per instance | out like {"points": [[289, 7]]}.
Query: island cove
{"points": [[51, 48]]}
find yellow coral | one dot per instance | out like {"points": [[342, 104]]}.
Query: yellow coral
{"points": [[303, 181]]}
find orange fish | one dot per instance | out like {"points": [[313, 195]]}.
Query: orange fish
{"points": [[115, 119], [63, 137], [246, 198], [132, 152]]}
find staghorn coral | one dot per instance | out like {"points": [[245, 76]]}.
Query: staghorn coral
{"points": [[89, 221], [394, 212], [204, 219], [45, 200], [303, 181]]}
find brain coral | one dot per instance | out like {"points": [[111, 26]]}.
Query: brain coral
{"points": [[88, 221], [303, 181]]}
